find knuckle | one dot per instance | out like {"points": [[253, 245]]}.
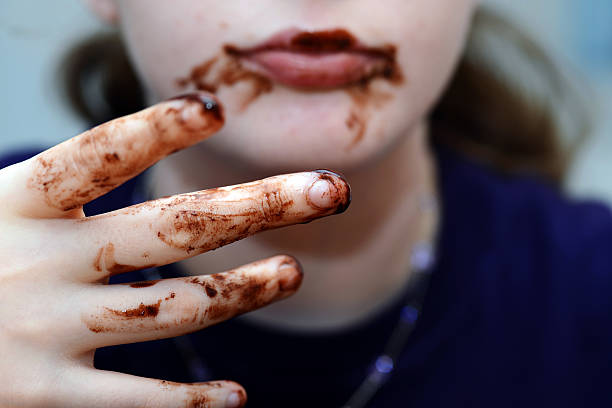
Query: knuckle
{"points": [[28, 320], [26, 391], [274, 205], [187, 308], [28, 328]]}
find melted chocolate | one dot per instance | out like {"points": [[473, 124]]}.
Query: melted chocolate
{"points": [[227, 69], [208, 105], [197, 397], [323, 41], [188, 225], [357, 123], [342, 196], [97, 161], [144, 284], [236, 293], [210, 291], [114, 321], [231, 293], [292, 283], [142, 311], [107, 254]]}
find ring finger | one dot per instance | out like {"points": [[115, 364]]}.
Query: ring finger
{"points": [[121, 314]]}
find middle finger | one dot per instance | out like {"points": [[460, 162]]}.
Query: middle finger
{"points": [[167, 230]]}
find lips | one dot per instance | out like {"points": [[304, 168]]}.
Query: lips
{"points": [[317, 59]]}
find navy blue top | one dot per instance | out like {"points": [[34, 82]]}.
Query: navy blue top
{"points": [[518, 313]]}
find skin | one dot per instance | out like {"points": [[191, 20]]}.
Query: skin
{"points": [[52, 286], [390, 169], [57, 260]]}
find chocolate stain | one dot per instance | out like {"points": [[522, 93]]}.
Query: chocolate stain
{"points": [[227, 69], [251, 295], [341, 195], [98, 260], [111, 264], [144, 284], [199, 401], [189, 226], [357, 124], [142, 311], [208, 106], [365, 99], [111, 158], [97, 161], [113, 321], [233, 292], [241, 293], [293, 282], [323, 41], [197, 397], [210, 291], [106, 254], [124, 320]]}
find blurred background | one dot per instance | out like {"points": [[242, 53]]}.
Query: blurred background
{"points": [[34, 34]]}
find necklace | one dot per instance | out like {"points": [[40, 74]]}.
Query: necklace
{"points": [[422, 259]]}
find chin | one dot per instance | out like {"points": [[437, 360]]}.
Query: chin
{"points": [[287, 130], [299, 157]]}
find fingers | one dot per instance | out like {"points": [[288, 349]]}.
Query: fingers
{"points": [[85, 167], [103, 389], [170, 229], [121, 314]]}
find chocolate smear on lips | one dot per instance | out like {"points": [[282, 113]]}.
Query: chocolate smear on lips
{"points": [[329, 42], [228, 71], [239, 65]]}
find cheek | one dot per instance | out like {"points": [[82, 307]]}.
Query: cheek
{"points": [[432, 49], [166, 39], [295, 130]]}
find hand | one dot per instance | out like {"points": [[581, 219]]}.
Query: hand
{"points": [[55, 308]]}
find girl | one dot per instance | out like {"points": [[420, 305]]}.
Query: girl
{"points": [[446, 282]]}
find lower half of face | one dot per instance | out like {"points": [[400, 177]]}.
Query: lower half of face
{"points": [[306, 83]]}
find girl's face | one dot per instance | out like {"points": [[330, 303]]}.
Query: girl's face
{"points": [[305, 83]]}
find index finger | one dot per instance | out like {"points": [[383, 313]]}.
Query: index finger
{"points": [[85, 167]]}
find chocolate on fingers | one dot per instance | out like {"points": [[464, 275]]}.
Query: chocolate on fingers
{"points": [[170, 229], [87, 166], [144, 311]]}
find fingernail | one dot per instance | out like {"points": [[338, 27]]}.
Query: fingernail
{"points": [[235, 399], [330, 191], [200, 110], [290, 275]]}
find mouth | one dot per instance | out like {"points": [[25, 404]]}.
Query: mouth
{"points": [[318, 59]]}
